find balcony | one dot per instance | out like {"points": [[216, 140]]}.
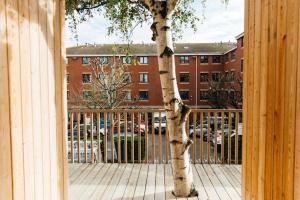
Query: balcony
{"points": [[131, 154]]}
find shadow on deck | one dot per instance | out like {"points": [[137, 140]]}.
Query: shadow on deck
{"points": [[150, 181]]}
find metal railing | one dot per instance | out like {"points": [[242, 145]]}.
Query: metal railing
{"points": [[141, 136]]}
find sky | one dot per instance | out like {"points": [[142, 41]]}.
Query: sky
{"points": [[221, 23]]}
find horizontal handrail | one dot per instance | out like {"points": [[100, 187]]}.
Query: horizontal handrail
{"points": [[141, 136]]}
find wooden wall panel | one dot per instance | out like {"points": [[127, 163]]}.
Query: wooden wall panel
{"points": [[271, 102], [32, 100]]}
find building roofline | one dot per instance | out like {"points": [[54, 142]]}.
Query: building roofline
{"points": [[176, 54], [239, 36], [230, 50]]}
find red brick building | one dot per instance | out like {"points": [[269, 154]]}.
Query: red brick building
{"points": [[197, 64]]}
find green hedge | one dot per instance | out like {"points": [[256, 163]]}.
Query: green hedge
{"points": [[143, 153]]}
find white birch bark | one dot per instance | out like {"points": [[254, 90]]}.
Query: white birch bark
{"points": [[176, 111]]}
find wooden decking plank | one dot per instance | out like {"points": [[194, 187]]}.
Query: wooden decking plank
{"points": [[77, 185], [150, 185], [115, 179], [235, 184], [209, 188], [120, 189], [234, 173], [202, 194], [78, 172], [73, 168], [226, 184], [222, 193], [85, 183], [239, 168], [150, 181], [98, 179], [141, 183], [105, 182], [216, 183], [129, 192], [169, 182], [159, 183]]}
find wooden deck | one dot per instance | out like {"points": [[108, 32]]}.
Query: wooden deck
{"points": [[150, 181]]}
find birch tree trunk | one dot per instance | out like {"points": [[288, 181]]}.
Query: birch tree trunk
{"points": [[176, 111]]}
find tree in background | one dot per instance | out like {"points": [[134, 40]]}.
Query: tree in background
{"points": [[226, 92], [167, 17], [109, 86]]}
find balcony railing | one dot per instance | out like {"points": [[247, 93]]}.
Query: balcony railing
{"points": [[141, 136]]}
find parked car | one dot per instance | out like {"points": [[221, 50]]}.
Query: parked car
{"points": [[162, 120], [198, 131]]}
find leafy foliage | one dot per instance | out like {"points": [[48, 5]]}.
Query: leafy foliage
{"points": [[125, 15]]}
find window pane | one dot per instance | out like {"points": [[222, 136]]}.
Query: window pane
{"points": [[233, 55], [216, 77], [126, 60], [143, 60], [103, 60], [143, 78], [86, 60], [87, 95], [203, 95], [216, 59], [184, 77], [204, 59], [203, 77], [184, 59], [86, 78], [144, 95], [184, 95], [128, 95], [127, 78]]}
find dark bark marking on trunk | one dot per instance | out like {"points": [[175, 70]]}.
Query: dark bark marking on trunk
{"points": [[163, 9], [185, 111], [167, 52], [180, 178], [154, 31], [173, 118], [175, 142], [193, 192], [165, 28], [172, 79], [163, 72]]}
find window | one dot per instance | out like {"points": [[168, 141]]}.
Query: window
{"points": [[68, 95], [242, 42], [86, 78], [103, 60], [203, 95], [216, 77], [143, 60], [242, 65], [127, 95], [203, 77], [143, 95], [68, 78], [86, 60], [216, 59], [226, 57], [204, 59], [184, 94], [101, 76], [126, 60], [226, 76], [233, 55], [184, 59], [87, 95], [144, 78], [232, 76], [184, 77], [67, 61], [127, 78]]}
